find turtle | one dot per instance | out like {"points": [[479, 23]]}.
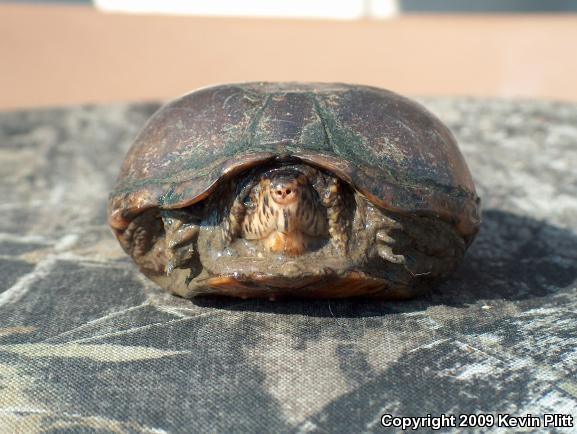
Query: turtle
{"points": [[278, 189]]}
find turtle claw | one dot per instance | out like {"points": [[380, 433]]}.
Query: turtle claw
{"points": [[386, 245], [386, 252], [384, 237]]}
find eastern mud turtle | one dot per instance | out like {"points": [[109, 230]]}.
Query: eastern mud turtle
{"points": [[301, 189]]}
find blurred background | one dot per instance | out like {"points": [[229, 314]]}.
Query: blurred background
{"points": [[73, 52]]}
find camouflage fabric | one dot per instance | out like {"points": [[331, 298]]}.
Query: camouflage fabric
{"points": [[88, 345]]}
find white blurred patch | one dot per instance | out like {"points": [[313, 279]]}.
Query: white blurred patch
{"points": [[344, 9]]}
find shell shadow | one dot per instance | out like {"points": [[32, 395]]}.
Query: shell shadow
{"points": [[513, 258]]}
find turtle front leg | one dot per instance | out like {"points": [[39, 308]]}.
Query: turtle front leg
{"points": [[338, 222], [422, 246], [181, 235], [232, 224], [390, 240]]}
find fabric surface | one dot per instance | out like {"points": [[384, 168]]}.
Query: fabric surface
{"points": [[88, 345]]}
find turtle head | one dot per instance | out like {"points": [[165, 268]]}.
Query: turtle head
{"points": [[286, 215], [286, 187]]}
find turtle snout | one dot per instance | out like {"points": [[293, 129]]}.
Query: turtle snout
{"points": [[285, 192]]}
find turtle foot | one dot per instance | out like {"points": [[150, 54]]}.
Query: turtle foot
{"points": [[388, 247], [181, 236], [421, 246]]}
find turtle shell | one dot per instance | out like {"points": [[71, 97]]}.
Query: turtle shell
{"points": [[389, 148]]}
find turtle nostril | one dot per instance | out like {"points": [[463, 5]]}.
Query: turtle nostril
{"points": [[284, 192]]}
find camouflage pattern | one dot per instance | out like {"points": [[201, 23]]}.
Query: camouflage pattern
{"points": [[388, 147], [88, 345]]}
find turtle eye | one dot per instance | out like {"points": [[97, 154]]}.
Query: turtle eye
{"points": [[248, 202]]}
